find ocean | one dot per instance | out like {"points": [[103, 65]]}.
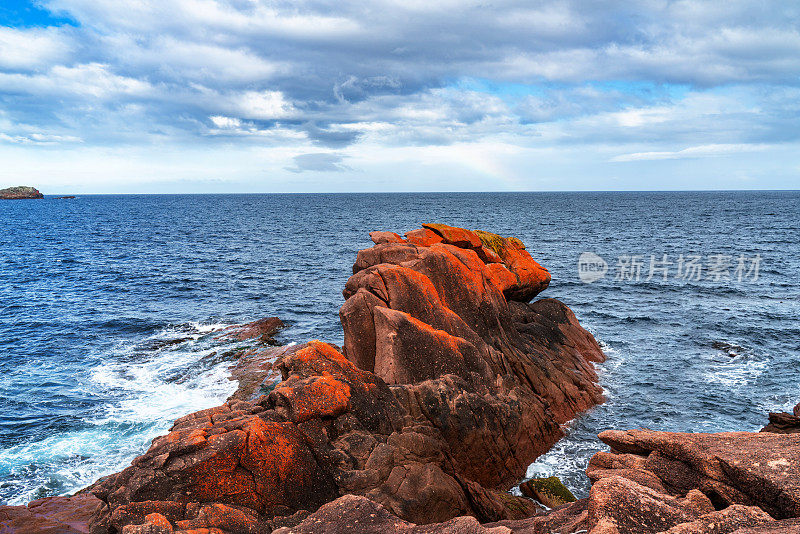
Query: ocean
{"points": [[109, 307]]}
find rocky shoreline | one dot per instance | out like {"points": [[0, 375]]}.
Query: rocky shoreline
{"points": [[449, 384]]}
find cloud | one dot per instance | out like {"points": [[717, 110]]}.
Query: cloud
{"points": [[38, 139], [318, 162], [703, 151], [92, 81], [631, 80], [226, 122], [31, 48]]}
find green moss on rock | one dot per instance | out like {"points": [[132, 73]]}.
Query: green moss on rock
{"points": [[548, 491], [498, 243]]}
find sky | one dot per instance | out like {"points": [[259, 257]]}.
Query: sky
{"points": [[225, 96]]}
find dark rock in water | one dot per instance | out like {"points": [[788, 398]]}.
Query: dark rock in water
{"points": [[51, 515], [264, 329], [730, 349], [19, 193], [784, 423], [65, 197], [158, 344], [548, 491]]}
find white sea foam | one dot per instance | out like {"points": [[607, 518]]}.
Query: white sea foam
{"points": [[605, 347], [737, 372], [568, 457], [147, 389]]}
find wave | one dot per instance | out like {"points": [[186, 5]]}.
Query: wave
{"points": [[145, 386]]}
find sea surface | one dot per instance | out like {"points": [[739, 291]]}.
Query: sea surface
{"points": [[109, 307]]}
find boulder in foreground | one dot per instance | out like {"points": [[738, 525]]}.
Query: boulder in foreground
{"points": [[51, 515]]}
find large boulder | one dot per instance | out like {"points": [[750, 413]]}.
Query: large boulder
{"points": [[749, 468], [447, 389], [783, 422]]}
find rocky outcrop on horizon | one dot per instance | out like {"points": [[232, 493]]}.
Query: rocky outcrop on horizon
{"points": [[20, 192]]}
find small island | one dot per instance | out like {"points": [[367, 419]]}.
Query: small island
{"points": [[20, 192]]}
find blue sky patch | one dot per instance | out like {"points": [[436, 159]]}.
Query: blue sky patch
{"points": [[24, 14]]}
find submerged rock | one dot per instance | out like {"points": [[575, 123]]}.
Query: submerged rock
{"points": [[20, 192], [255, 371]]}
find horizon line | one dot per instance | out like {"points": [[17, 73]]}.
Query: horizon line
{"points": [[67, 193]]}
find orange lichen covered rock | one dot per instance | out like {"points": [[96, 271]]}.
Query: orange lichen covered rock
{"points": [[322, 396], [458, 237], [531, 278], [420, 311], [446, 390], [385, 237], [424, 237], [515, 272]]}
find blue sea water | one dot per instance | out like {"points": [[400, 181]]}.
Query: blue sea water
{"points": [[109, 307]]}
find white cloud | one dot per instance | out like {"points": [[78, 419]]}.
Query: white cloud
{"points": [[92, 80], [32, 48], [39, 139], [225, 122], [702, 151], [263, 105]]}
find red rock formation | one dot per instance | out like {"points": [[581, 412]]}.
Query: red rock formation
{"points": [[761, 469], [263, 328], [637, 512], [450, 387], [784, 423], [51, 515]]}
